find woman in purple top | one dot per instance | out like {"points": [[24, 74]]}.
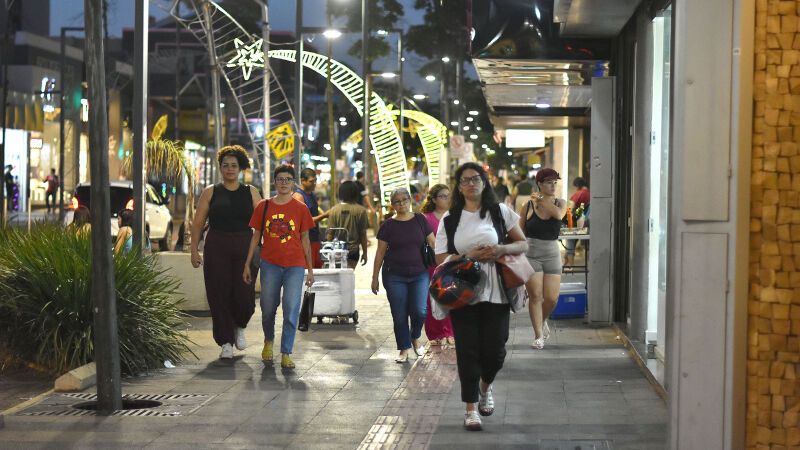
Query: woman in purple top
{"points": [[439, 332], [405, 276]]}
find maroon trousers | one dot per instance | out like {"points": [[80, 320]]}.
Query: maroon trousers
{"points": [[231, 300]]}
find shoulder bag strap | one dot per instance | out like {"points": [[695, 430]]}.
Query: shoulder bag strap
{"points": [[263, 221]]}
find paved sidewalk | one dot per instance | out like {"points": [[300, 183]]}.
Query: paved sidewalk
{"points": [[347, 392]]}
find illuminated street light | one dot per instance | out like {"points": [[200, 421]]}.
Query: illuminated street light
{"points": [[473, 136], [445, 59], [470, 119], [388, 75], [454, 123], [420, 96], [466, 128], [430, 78], [456, 102], [543, 105], [473, 113], [332, 33]]}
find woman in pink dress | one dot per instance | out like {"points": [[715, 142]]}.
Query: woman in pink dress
{"points": [[439, 332]]}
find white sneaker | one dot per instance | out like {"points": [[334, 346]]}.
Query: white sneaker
{"points": [[486, 402], [227, 351], [472, 421], [241, 342]]}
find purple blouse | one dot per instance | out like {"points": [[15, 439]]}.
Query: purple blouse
{"points": [[404, 253]]}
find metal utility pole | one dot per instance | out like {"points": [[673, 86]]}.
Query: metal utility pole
{"points": [[6, 61], [400, 82], [106, 340], [62, 93], [215, 89], [459, 108], [365, 66], [331, 137], [298, 92], [265, 36], [140, 52]]}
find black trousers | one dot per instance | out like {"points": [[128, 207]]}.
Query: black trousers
{"points": [[231, 300], [481, 333]]}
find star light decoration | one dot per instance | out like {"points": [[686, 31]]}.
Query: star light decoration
{"points": [[247, 56]]}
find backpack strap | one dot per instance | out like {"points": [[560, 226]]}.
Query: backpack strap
{"points": [[450, 225]]}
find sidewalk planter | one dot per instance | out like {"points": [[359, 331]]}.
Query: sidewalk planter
{"points": [[571, 302], [192, 286]]}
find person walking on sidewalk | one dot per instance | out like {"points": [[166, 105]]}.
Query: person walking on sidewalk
{"points": [[285, 253], [480, 328], [228, 207], [405, 276], [50, 193], [352, 217], [439, 332], [541, 220], [305, 194]]}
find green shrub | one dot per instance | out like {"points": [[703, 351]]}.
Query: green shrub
{"points": [[46, 306]]}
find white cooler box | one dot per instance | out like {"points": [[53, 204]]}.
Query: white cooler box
{"points": [[335, 293]]}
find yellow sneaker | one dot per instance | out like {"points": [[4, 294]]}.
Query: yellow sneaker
{"points": [[266, 354], [286, 362]]}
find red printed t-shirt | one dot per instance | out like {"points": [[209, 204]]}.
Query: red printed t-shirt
{"points": [[581, 196], [284, 225]]}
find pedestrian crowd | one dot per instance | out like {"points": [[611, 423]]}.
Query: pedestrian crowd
{"points": [[474, 253]]}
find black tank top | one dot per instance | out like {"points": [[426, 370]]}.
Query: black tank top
{"points": [[535, 227], [230, 210]]}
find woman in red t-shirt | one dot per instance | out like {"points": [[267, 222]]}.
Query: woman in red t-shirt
{"points": [[285, 253]]}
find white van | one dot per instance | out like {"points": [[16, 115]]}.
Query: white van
{"points": [[158, 220]]}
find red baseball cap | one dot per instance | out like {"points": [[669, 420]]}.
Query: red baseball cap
{"points": [[547, 174]]}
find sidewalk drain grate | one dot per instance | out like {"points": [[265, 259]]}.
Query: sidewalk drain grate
{"points": [[171, 405], [546, 444]]}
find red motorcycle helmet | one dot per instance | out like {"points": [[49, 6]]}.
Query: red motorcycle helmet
{"points": [[454, 283]]}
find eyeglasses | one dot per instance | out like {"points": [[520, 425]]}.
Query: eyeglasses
{"points": [[471, 180], [284, 180], [443, 196], [401, 201]]}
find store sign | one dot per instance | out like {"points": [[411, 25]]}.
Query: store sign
{"points": [[247, 56]]}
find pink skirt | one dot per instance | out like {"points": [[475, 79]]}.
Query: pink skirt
{"points": [[437, 329]]}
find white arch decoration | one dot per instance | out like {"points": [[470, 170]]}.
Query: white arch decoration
{"points": [[386, 143]]}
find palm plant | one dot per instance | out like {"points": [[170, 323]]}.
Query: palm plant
{"points": [[46, 308], [168, 158]]}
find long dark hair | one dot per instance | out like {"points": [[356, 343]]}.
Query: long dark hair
{"points": [[429, 205], [487, 196]]}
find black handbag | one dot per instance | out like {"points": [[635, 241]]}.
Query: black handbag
{"points": [[255, 263], [306, 311], [428, 256]]}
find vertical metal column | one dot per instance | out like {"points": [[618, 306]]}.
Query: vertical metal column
{"points": [[138, 175], [329, 100], [215, 90], [365, 66], [298, 93], [400, 83], [61, 94], [106, 340], [265, 182]]}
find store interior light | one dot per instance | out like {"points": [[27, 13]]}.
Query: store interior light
{"points": [[516, 138], [543, 105]]}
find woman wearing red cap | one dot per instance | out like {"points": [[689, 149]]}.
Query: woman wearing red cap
{"points": [[541, 221]]}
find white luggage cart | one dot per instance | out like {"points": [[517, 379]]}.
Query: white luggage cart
{"points": [[335, 294]]}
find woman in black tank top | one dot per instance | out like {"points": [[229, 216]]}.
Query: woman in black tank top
{"points": [[541, 218], [228, 207]]}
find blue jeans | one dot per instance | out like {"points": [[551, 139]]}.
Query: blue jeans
{"points": [[272, 279], [407, 296]]}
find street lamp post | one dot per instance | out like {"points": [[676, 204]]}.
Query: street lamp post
{"points": [[298, 92]]}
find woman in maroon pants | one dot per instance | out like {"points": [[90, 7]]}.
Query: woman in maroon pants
{"points": [[228, 207]]}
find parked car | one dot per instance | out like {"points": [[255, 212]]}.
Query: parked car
{"points": [[158, 220]]}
